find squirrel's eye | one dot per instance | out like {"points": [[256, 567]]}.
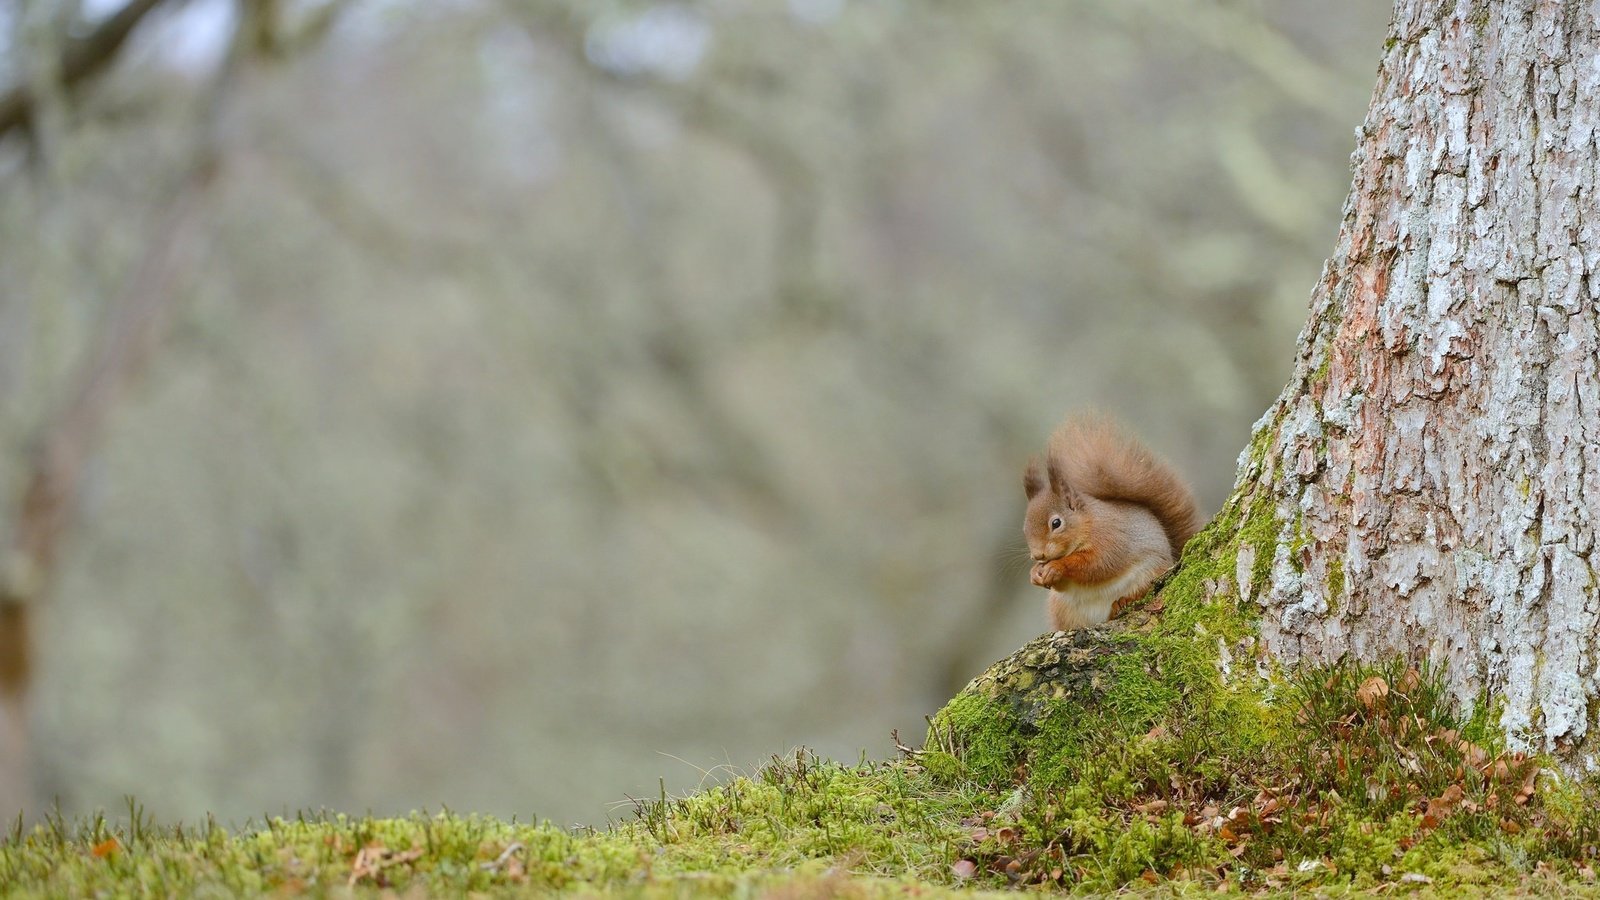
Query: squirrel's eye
{"points": [[1055, 523]]}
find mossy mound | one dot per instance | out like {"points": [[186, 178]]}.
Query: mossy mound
{"points": [[1349, 778], [1053, 709], [1037, 709], [1163, 749]]}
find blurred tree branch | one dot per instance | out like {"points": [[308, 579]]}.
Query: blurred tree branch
{"points": [[128, 338], [137, 318], [81, 59], [334, 199], [706, 104], [1247, 38], [672, 348], [269, 33], [702, 103]]}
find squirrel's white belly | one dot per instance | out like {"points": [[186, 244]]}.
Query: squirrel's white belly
{"points": [[1085, 605]]}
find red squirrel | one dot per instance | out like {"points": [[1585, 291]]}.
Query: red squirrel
{"points": [[1106, 518]]}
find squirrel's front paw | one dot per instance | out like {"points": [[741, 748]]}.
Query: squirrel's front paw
{"points": [[1049, 572]]}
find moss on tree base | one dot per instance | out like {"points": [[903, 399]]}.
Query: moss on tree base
{"points": [[1163, 748]]}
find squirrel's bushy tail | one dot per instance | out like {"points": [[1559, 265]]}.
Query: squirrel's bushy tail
{"points": [[1096, 456]]}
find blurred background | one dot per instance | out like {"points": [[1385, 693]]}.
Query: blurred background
{"points": [[504, 404]]}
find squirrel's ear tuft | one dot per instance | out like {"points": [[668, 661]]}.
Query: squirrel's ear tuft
{"points": [[1058, 481], [1032, 479]]}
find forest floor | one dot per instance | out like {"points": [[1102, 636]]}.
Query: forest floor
{"points": [[804, 827]]}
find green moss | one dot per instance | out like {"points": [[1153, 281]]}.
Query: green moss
{"points": [[1335, 582], [788, 826], [1260, 531], [1299, 540], [977, 734], [1319, 376], [946, 768]]}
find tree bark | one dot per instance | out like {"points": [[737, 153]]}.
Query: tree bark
{"points": [[1432, 469]]}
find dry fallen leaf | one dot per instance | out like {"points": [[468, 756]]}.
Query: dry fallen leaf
{"points": [[964, 869], [1443, 805], [1476, 756], [372, 859], [1371, 691], [1410, 680], [1526, 793]]}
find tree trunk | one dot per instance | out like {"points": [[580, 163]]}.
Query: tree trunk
{"points": [[1432, 470], [137, 319]]}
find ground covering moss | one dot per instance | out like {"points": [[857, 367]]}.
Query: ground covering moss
{"points": [[799, 826], [1360, 788], [1160, 756], [1349, 780]]}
